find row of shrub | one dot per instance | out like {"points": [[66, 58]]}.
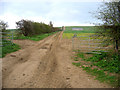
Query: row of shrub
{"points": [[30, 28]]}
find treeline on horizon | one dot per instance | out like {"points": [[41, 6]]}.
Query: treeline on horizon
{"points": [[30, 28]]}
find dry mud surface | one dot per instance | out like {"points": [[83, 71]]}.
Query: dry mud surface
{"points": [[45, 64]]}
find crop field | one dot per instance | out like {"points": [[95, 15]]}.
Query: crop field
{"points": [[85, 41], [70, 35], [87, 31]]}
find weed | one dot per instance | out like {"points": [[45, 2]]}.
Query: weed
{"points": [[101, 76], [81, 55], [76, 64], [104, 62], [8, 49], [75, 58]]}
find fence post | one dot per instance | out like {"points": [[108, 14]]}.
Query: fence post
{"points": [[72, 43], [12, 38], [89, 43]]}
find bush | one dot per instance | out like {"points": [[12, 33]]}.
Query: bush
{"points": [[30, 28]]}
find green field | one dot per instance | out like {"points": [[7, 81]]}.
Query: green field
{"points": [[87, 31], [70, 35]]}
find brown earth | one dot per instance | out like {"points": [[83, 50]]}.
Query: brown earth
{"points": [[45, 64]]}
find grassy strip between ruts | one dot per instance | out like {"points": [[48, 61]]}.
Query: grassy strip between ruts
{"points": [[5, 49], [104, 66]]}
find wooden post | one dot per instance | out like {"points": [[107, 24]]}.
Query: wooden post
{"points": [[63, 28], [12, 38], [89, 43]]}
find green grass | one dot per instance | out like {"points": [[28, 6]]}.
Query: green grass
{"points": [[105, 62], [35, 37], [81, 55], [75, 58], [86, 29], [70, 35], [76, 64], [5, 49], [102, 77]]}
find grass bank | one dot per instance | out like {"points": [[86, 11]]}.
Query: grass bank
{"points": [[104, 66], [5, 49]]}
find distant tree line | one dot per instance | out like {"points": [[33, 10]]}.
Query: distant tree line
{"points": [[29, 28]]}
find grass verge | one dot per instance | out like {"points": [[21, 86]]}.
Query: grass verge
{"points": [[104, 66], [35, 37], [5, 49]]}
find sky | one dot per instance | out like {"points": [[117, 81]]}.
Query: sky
{"points": [[60, 12]]}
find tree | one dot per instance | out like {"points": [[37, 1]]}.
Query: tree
{"points": [[3, 27], [26, 27], [109, 14], [30, 28], [51, 24]]}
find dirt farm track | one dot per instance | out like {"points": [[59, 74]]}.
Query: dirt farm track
{"points": [[45, 64]]}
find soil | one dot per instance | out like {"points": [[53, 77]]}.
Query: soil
{"points": [[45, 64]]}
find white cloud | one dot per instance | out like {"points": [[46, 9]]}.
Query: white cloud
{"points": [[59, 12], [12, 19], [56, 0], [71, 24]]}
